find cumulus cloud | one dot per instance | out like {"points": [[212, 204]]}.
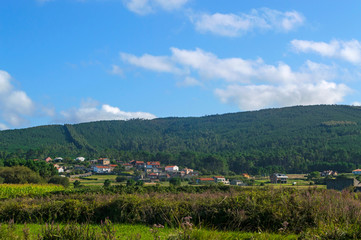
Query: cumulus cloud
{"points": [[15, 105], [349, 51], [253, 84], [143, 7], [91, 110], [252, 97], [233, 25]]}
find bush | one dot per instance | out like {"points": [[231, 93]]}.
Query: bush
{"points": [[120, 179], [107, 183], [76, 184], [59, 180], [19, 174], [175, 181], [130, 182]]}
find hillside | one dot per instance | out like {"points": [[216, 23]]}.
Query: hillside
{"points": [[293, 139]]}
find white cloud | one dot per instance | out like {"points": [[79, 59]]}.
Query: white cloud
{"points": [[3, 126], [90, 111], [252, 97], [144, 7], [154, 63], [189, 82], [233, 25], [253, 84], [346, 50], [116, 70], [15, 105]]}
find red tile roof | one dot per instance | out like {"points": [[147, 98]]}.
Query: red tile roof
{"points": [[102, 166], [206, 179]]}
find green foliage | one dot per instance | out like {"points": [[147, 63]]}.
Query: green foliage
{"points": [[76, 184], [175, 181], [59, 180], [120, 179], [107, 183], [313, 175], [19, 174], [293, 140], [131, 182]]}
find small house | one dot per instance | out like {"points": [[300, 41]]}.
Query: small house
{"points": [[48, 159], [220, 179], [127, 166], [80, 159], [171, 168], [237, 183], [356, 171], [205, 180], [103, 161], [278, 178], [153, 164], [102, 169]]}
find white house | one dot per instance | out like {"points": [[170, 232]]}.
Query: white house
{"points": [[171, 168], [102, 169], [81, 159], [356, 171]]}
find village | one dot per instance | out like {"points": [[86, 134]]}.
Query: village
{"points": [[147, 172]]}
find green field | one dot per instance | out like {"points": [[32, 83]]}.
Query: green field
{"points": [[124, 231]]}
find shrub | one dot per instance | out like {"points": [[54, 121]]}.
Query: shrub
{"points": [[175, 181], [120, 179], [19, 174], [107, 183], [59, 180], [76, 184]]}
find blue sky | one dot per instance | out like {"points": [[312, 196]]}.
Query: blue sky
{"points": [[71, 61]]}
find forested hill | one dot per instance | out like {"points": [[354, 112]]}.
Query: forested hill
{"points": [[292, 139]]}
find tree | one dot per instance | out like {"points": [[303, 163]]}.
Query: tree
{"points": [[76, 184], [19, 174], [313, 175], [59, 180], [107, 183], [130, 182], [175, 181], [120, 179]]}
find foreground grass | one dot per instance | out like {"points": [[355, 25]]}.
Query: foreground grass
{"points": [[122, 231]]}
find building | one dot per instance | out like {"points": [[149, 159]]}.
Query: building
{"points": [[103, 161], [237, 183], [48, 159], [102, 169], [278, 178], [205, 180], [220, 179], [328, 173], [81, 159], [58, 159], [171, 168], [188, 171], [139, 164], [357, 171], [153, 164], [127, 166]]}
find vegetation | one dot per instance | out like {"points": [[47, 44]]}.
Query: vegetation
{"points": [[23, 190], [19, 174], [292, 140]]}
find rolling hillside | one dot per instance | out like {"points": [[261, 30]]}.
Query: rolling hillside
{"points": [[293, 139]]}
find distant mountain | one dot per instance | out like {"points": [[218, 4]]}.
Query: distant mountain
{"points": [[292, 139]]}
